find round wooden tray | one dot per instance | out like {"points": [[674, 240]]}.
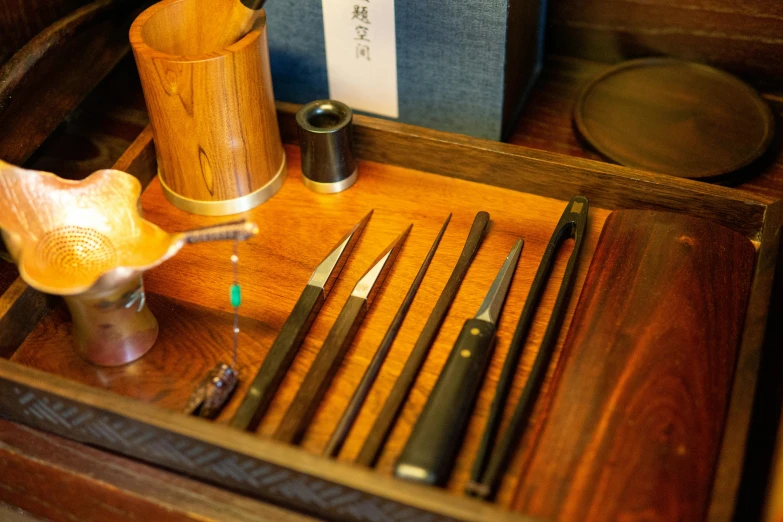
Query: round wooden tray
{"points": [[674, 117]]}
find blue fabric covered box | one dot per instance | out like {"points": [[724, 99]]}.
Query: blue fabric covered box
{"points": [[461, 66]]}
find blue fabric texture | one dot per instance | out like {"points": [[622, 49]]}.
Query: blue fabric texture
{"points": [[450, 60]]}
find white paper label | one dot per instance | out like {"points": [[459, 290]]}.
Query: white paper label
{"points": [[361, 54]]}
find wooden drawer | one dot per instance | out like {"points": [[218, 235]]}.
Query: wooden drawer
{"points": [[408, 174]]}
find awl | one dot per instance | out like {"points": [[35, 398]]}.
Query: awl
{"points": [[331, 354], [281, 355]]}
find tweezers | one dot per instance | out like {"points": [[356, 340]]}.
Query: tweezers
{"points": [[486, 477]]}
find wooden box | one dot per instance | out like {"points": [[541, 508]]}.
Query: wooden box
{"points": [[408, 174]]}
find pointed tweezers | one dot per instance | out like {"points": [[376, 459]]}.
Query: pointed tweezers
{"points": [[282, 353], [331, 354], [486, 477]]}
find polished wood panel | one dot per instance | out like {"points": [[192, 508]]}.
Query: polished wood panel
{"points": [[212, 108], [741, 37], [103, 487], [637, 416], [275, 266], [741, 482]]}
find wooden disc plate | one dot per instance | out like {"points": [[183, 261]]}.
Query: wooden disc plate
{"points": [[674, 117]]}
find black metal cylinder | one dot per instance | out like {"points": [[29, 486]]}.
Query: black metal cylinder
{"points": [[325, 135]]}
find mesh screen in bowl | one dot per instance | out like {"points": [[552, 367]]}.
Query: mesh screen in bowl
{"points": [[75, 252]]}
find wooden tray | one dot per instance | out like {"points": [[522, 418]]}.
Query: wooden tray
{"points": [[133, 410]]}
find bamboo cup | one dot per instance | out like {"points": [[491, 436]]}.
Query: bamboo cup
{"points": [[211, 106]]}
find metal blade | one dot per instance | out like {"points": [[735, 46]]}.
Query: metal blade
{"points": [[371, 281], [489, 310], [326, 273]]}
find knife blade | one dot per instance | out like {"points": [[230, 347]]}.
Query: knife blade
{"points": [[288, 341], [331, 354], [429, 454]]}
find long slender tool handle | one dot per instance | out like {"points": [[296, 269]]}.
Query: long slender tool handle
{"points": [[325, 366], [284, 349], [320, 375], [279, 359], [383, 424], [429, 453]]}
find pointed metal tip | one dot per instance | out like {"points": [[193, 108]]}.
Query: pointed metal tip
{"points": [[371, 281], [517, 248], [361, 224], [489, 310], [327, 271]]}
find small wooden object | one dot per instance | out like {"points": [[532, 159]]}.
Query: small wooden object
{"points": [[209, 94], [674, 117], [635, 421]]}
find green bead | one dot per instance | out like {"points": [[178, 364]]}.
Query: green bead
{"points": [[236, 296]]}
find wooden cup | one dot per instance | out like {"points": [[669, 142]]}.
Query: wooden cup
{"points": [[211, 105]]}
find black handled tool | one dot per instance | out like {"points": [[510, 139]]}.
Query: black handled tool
{"points": [[331, 354], [402, 387], [349, 416], [282, 353], [485, 478], [429, 453]]}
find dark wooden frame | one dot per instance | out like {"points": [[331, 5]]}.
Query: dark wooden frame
{"points": [[296, 479]]}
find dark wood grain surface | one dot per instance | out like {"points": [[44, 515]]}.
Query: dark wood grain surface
{"points": [[637, 414], [675, 117], [742, 37], [62, 480], [20, 21], [546, 123], [91, 41]]}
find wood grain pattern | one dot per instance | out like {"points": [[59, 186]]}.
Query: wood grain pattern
{"points": [[273, 268], [90, 40], [174, 366], [546, 123], [20, 21], [110, 487], [467, 158], [212, 113], [674, 117], [21, 307], [757, 406], [542, 173], [741, 37], [636, 418]]}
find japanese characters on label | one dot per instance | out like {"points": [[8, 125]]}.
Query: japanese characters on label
{"points": [[361, 16], [361, 54]]}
